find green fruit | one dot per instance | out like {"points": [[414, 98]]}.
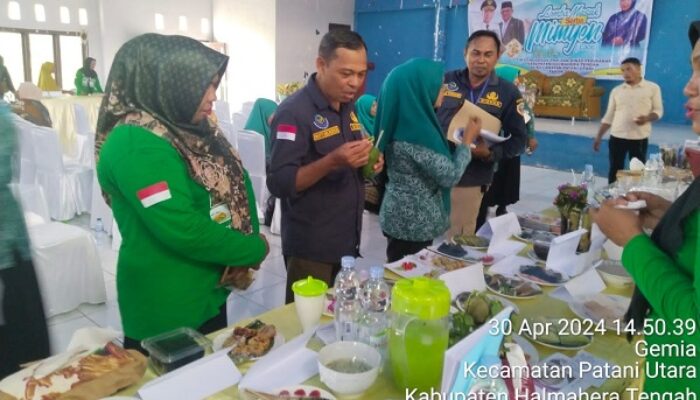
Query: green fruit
{"points": [[495, 307], [368, 169], [478, 308]]}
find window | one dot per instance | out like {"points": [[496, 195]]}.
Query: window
{"points": [[41, 51], [160, 22], [205, 26], [12, 55], [182, 23], [13, 11], [39, 13], [82, 17], [71, 59], [65, 15]]}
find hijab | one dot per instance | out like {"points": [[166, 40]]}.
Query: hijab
{"points": [[47, 83], [668, 234], [157, 82], [87, 68], [363, 105], [258, 119]]}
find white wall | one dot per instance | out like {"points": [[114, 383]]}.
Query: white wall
{"points": [[297, 40], [53, 23], [247, 27], [122, 20]]}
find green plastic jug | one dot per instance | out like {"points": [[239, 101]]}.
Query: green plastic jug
{"points": [[419, 332]]}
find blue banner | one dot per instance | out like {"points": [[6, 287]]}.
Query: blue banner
{"points": [[590, 37]]}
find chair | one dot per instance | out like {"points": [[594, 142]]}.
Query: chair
{"points": [[222, 110], [65, 256], [82, 122], [251, 148], [229, 133], [67, 187], [27, 165], [239, 121]]}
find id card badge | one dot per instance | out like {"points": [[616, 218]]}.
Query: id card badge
{"points": [[220, 213]]}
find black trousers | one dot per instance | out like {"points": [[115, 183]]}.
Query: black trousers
{"points": [[24, 336], [301, 268], [397, 249], [619, 148], [211, 325]]}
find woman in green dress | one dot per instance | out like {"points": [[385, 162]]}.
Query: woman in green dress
{"points": [[420, 166], [666, 269], [259, 120], [86, 79], [180, 195]]}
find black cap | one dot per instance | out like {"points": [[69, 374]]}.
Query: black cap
{"points": [[693, 32], [489, 3], [506, 4]]}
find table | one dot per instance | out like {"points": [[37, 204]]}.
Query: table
{"points": [[609, 346], [63, 118]]}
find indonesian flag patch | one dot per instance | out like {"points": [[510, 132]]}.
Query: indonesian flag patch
{"points": [[287, 132], [154, 194]]}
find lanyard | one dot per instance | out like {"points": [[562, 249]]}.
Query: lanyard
{"points": [[481, 93]]}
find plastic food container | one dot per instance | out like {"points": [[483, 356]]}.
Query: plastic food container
{"points": [[172, 350]]}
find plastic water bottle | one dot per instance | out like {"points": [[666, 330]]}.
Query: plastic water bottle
{"points": [[659, 169], [588, 179], [373, 321], [100, 233], [347, 303]]}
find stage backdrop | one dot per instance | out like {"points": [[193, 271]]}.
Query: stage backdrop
{"points": [[554, 36]]}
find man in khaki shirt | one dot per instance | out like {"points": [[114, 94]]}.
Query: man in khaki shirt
{"points": [[631, 108]]}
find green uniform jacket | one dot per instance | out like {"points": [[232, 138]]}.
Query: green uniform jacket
{"points": [[85, 85], [173, 253], [671, 286]]}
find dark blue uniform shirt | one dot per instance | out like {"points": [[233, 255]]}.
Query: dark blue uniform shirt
{"points": [[501, 99], [324, 222]]}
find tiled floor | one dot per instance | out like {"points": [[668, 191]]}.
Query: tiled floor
{"points": [[538, 188]]}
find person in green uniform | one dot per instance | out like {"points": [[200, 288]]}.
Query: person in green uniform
{"points": [[24, 336], [259, 120], [86, 79], [366, 107], [665, 268], [179, 193], [421, 167], [5, 79]]}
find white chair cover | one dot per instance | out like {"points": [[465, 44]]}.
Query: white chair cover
{"points": [[27, 166], [276, 225], [238, 120], [67, 187], [82, 122], [222, 111], [65, 256], [229, 133], [251, 147]]}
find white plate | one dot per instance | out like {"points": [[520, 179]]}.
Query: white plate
{"points": [[614, 304], [505, 303], [538, 281], [516, 297], [218, 342], [422, 266], [306, 388]]}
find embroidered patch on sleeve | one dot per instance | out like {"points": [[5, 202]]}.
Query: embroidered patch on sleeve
{"points": [[154, 194], [287, 132]]}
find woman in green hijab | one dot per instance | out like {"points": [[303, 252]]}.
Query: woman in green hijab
{"points": [[259, 120], [179, 193], [366, 107], [421, 168]]}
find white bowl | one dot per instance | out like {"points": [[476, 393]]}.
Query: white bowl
{"points": [[614, 274], [344, 383]]}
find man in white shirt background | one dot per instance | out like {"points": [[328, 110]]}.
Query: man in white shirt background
{"points": [[632, 107], [488, 10]]}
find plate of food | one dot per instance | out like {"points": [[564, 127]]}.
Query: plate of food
{"points": [[602, 307], [541, 275], [250, 342], [528, 235], [473, 241], [560, 373], [554, 337], [463, 301], [411, 266], [305, 392], [514, 288]]}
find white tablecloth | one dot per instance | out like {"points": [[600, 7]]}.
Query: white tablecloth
{"points": [[63, 118]]}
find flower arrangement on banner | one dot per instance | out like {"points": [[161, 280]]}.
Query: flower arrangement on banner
{"points": [[572, 199], [286, 89]]}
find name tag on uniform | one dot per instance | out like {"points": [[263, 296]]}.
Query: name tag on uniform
{"points": [[355, 127], [456, 95], [326, 133], [220, 213]]}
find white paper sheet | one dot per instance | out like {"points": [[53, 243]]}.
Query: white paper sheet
{"points": [[273, 370], [499, 229], [588, 283], [195, 381], [562, 253], [465, 279]]}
